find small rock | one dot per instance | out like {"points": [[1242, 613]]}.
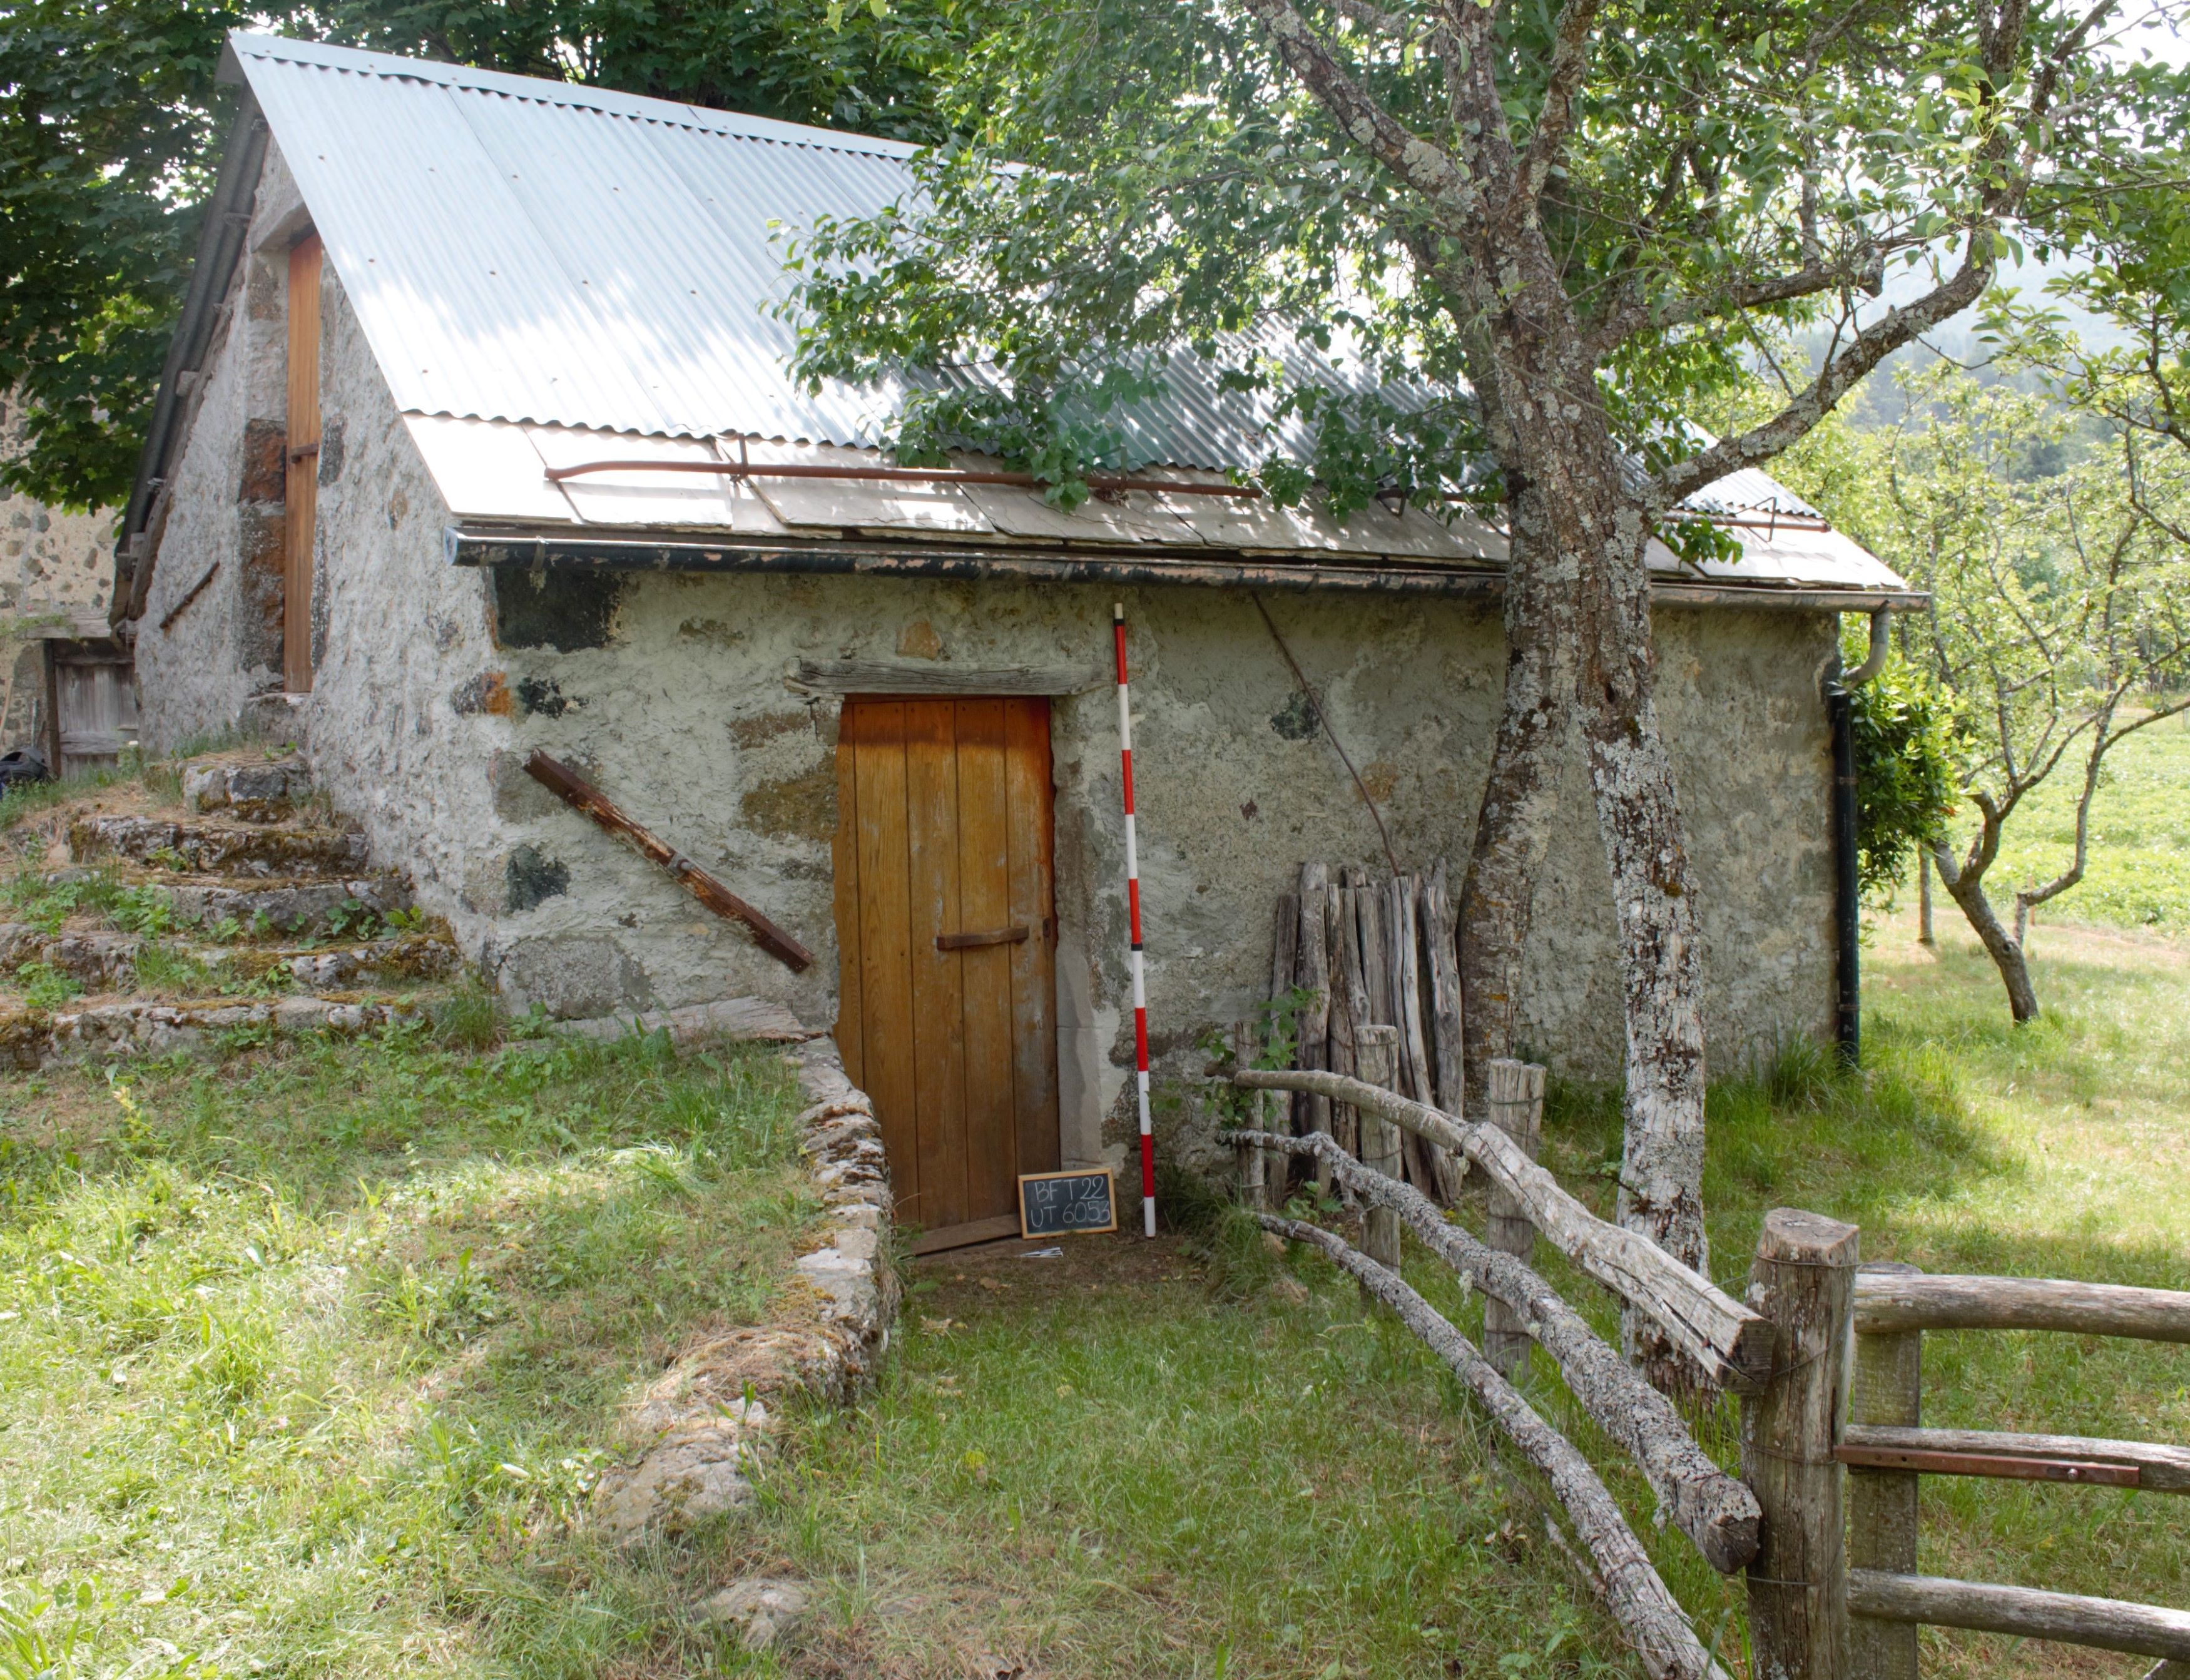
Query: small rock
{"points": [[767, 1608]]}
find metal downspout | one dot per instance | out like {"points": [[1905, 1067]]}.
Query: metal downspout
{"points": [[1847, 907]]}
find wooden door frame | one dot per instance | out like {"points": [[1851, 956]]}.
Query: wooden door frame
{"points": [[1036, 1141], [301, 436]]}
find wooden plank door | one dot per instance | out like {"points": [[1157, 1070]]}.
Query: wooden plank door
{"points": [[302, 489], [947, 931]]}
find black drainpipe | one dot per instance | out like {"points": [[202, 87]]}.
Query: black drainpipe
{"points": [[1848, 904]]}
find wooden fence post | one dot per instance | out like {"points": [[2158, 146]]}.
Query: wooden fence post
{"points": [[1377, 1050], [1253, 1163], [1803, 1281], [1888, 1389], [1513, 1095]]}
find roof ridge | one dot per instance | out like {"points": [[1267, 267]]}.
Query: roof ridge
{"points": [[578, 95]]}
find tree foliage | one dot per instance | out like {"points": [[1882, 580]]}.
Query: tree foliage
{"points": [[1906, 770], [110, 117], [1722, 175]]}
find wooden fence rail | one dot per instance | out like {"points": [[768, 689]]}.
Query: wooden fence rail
{"points": [[1827, 1359], [1730, 1344]]}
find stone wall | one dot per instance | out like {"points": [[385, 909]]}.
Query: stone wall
{"points": [[50, 561], [671, 690], [399, 724]]}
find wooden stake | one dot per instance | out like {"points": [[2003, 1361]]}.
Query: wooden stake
{"points": [[1252, 1162], [1443, 966], [1923, 897], [1350, 1006], [1803, 1281], [1888, 1388], [1376, 1046], [1312, 971], [1404, 946], [1514, 1094]]}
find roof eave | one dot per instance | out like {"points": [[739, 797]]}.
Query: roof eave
{"points": [[475, 544]]}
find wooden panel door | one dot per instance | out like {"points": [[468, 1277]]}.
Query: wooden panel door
{"points": [[946, 926], [302, 490]]}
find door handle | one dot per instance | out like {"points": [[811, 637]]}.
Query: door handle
{"points": [[994, 936]]}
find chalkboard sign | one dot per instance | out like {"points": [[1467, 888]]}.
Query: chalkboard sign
{"points": [[1051, 1204]]}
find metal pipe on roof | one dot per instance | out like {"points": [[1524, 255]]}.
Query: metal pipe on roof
{"points": [[749, 470]]}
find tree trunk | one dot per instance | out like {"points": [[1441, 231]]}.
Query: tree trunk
{"points": [[1513, 828], [1964, 885], [1590, 592]]}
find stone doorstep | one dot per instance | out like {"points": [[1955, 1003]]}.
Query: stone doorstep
{"points": [[707, 1421], [213, 848]]}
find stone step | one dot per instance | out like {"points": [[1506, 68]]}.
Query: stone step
{"points": [[32, 1039], [249, 791], [216, 848], [97, 962], [408, 956], [299, 909], [105, 961]]}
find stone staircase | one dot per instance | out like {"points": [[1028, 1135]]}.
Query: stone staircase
{"points": [[146, 924]]}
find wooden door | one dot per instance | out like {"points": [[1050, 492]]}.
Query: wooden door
{"points": [[947, 929], [301, 509]]}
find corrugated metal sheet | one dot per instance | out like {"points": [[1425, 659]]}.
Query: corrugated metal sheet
{"points": [[529, 251], [525, 253]]}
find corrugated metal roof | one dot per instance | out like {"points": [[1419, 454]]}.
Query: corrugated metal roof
{"points": [[541, 254], [531, 251]]}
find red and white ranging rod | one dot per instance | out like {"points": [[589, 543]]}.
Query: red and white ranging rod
{"points": [[1133, 916]]}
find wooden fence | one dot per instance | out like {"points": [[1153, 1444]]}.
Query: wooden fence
{"points": [[1825, 1356]]}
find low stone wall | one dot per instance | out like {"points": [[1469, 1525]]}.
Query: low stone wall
{"points": [[703, 1426]]}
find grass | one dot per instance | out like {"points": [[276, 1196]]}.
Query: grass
{"points": [[2136, 876], [1200, 1461], [308, 1358]]}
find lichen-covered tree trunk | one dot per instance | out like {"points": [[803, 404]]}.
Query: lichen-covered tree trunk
{"points": [[1589, 591], [1513, 826]]}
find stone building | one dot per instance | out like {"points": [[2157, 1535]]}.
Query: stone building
{"points": [[62, 666], [480, 444]]}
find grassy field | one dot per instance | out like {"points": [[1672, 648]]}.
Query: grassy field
{"points": [[2136, 876], [307, 1358], [1140, 1460]]}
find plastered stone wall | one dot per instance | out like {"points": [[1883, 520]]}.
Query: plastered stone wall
{"points": [[670, 690]]}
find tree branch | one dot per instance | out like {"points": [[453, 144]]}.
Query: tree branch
{"points": [[1428, 168], [1840, 375], [1555, 117]]}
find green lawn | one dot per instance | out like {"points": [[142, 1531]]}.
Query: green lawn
{"points": [[2136, 876], [1141, 1461], [306, 1359]]}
